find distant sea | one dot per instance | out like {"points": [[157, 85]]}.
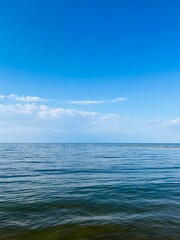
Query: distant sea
{"points": [[89, 191]]}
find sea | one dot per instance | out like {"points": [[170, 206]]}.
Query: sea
{"points": [[89, 191]]}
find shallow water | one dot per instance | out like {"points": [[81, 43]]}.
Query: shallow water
{"points": [[90, 191]]}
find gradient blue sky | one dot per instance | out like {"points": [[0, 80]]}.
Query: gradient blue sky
{"points": [[90, 71]]}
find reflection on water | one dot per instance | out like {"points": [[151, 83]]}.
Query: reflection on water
{"points": [[89, 191]]}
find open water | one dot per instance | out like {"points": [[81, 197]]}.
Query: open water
{"points": [[89, 191]]}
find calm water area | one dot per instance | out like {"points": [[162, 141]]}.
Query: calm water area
{"points": [[90, 191]]}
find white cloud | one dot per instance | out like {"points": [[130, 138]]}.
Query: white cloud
{"points": [[86, 102], [22, 98], [18, 108], [66, 123], [172, 122], [27, 120], [91, 102], [43, 111], [115, 100], [35, 99]]}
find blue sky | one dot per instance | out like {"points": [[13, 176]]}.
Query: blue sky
{"points": [[89, 71]]}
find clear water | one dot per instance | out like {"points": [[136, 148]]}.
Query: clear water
{"points": [[90, 191]]}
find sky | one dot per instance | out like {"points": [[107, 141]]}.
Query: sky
{"points": [[90, 71]]}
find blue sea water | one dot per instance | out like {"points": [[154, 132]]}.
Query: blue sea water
{"points": [[90, 191]]}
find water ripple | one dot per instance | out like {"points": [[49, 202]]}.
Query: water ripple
{"points": [[90, 191]]}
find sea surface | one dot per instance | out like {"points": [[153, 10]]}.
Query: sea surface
{"points": [[89, 191]]}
